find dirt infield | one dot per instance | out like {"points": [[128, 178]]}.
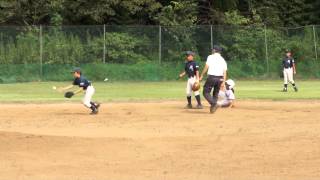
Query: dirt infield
{"points": [[257, 140]]}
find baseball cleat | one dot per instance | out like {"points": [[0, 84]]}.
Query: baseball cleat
{"points": [[94, 112], [188, 106], [284, 90], [199, 106], [295, 89], [97, 105], [213, 109]]}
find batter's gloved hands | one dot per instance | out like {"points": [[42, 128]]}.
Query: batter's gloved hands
{"points": [[69, 94]]}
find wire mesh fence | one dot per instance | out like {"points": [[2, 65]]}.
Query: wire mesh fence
{"points": [[33, 53]]}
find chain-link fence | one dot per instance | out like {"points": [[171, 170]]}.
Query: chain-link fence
{"points": [[33, 53]]}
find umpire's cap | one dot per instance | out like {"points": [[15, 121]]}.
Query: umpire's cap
{"points": [[76, 69], [188, 53], [217, 48]]}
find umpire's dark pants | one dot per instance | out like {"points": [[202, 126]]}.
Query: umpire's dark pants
{"points": [[215, 83]]}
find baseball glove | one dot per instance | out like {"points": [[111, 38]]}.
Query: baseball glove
{"points": [[69, 94], [196, 86]]}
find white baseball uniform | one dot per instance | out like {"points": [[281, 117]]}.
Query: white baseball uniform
{"points": [[226, 98], [190, 83], [288, 64], [88, 96]]}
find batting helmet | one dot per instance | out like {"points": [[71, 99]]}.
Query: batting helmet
{"points": [[231, 83]]}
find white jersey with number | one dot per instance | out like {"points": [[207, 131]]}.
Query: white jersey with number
{"points": [[217, 64]]}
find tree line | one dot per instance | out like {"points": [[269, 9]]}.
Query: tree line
{"points": [[157, 12], [252, 33]]}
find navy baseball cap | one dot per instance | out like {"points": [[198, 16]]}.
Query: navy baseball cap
{"points": [[217, 48], [76, 69], [188, 53]]}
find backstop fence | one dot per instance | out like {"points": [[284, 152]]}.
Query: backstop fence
{"points": [[150, 53]]}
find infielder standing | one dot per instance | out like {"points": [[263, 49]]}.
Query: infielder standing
{"points": [[86, 86], [217, 74], [289, 68], [192, 71]]}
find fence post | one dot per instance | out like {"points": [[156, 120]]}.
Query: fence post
{"points": [[160, 44], [211, 35], [41, 51], [266, 48], [104, 43], [315, 42]]}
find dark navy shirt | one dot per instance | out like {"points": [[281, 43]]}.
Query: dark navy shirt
{"points": [[82, 82], [288, 62], [191, 68]]}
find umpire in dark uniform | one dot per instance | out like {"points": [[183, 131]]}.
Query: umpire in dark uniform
{"points": [[216, 67]]}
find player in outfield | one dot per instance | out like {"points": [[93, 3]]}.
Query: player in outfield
{"points": [[84, 86], [192, 71], [289, 69], [216, 67]]}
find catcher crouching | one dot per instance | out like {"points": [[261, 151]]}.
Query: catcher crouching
{"points": [[192, 71], [86, 86]]}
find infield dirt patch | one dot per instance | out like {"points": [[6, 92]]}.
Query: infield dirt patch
{"points": [[256, 140]]}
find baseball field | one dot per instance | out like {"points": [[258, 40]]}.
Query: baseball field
{"points": [[143, 132]]}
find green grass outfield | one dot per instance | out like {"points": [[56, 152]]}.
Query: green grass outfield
{"points": [[134, 91]]}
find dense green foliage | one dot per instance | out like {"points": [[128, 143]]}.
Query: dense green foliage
{"points": [[155, 12], [131, 53], [248, 30]]}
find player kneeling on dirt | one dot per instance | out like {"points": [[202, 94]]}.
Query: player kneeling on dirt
{"points": [[85, 86], [227, 95], [192, 71]]}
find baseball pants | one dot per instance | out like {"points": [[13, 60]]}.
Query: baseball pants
{"points": [[223, 100], [88, 96], [213, 82], [288, 75], [190, 83], [224, 103]]}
